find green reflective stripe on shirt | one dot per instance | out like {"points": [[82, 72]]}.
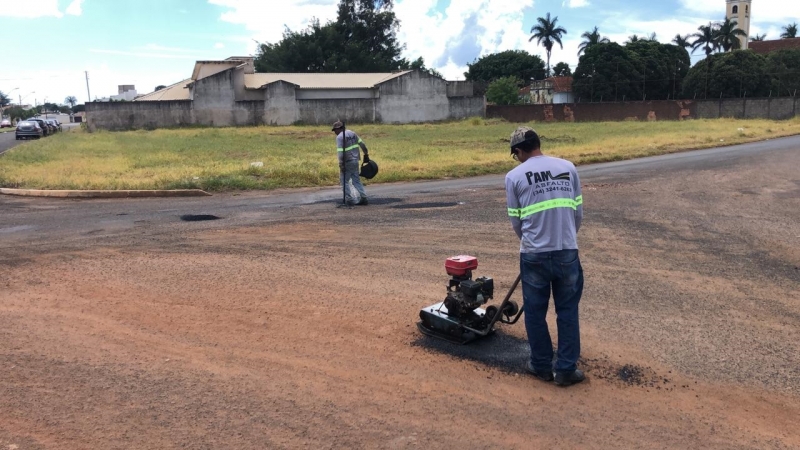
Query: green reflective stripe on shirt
{"points": [[579, 200], [352, 147], [513, 212], [545, 205]]}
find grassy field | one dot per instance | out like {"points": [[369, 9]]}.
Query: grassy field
{"points": [[220, 158]]}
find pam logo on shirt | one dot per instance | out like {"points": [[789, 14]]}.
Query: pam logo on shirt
{"points": [[540, 177]]}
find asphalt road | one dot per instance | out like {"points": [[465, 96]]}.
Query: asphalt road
{"points": [[8, 140], [33, 217], [290, 323]]}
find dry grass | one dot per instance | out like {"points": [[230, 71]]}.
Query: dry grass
{"points": [[219, 158]]}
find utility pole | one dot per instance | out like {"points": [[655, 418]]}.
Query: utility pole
{"points": [[89, 95]]}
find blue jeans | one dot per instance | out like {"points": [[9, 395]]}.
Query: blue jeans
{"points": [[351, 169], [562, 271]]}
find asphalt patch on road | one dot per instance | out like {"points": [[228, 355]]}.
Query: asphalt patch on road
{"points": [[630, 375], [426, 205], [501, 351], [198, 217]]}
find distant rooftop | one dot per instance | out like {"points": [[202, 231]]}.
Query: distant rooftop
{"points": [[764, 47], [322, 80]]}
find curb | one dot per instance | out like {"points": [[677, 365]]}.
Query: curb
{"points": [[104, 193]]}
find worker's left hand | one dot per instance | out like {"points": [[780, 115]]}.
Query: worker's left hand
{"points": [[366, 158]]}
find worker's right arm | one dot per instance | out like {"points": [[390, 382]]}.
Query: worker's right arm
{"points": [[578, 199], [512, 202]]}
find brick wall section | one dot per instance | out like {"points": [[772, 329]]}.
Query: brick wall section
{"points": [[778, 108]]}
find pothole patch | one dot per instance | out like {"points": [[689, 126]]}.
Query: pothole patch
{"points": [[426, 205], [198, 217]]}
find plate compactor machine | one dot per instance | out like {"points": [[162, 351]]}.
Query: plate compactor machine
{"points": [[459, 317]]}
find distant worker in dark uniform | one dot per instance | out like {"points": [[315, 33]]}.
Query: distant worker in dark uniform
{"points": [[546, 208], [347, 147]]}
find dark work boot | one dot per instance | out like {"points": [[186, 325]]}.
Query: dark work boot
{"points": [[364, 201], [569, 378], [544, 375]]}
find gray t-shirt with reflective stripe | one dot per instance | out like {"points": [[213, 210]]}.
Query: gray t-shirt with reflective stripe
{"points": [[545, 204], [350, 149]]}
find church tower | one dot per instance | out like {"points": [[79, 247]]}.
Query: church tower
{"points": [[739, 10]]}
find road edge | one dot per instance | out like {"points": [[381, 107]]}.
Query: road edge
{"points": [[69, 193]]}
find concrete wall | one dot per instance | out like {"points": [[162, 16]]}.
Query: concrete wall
{"points": [[777, 108], [335, 94], [280, 105], [460, 89], [594, 112], [222, 100], [415, 97], [117, 116], [325, 112]]}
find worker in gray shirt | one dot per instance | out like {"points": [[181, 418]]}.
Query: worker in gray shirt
{"points": [[546, 207], [347, 147]]}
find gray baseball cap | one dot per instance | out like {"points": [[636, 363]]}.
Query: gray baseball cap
{"points": [[336, 125], [521, 135]]}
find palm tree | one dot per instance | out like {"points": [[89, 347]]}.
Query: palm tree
{"points": [[633, 38], [682, 41], [591, 39], [758, 37], [71, 100], [652, 37], [789, 31], [706, 38], [546, 32], [728, 35]]}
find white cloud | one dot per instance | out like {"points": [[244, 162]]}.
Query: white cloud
{"points": [[575, 3], [447, 41], [219, 45], [466, 30], [144, 54], [773, 11], [41, 8], [74, 8], [267, 22]]}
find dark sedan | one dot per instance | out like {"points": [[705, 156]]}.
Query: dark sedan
{"points": [[29, 129], [46, 128]]}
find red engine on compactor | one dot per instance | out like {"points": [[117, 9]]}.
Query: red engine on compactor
{"points": [[459, 317]]}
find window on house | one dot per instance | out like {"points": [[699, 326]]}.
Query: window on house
{"points": [[735, 9]]}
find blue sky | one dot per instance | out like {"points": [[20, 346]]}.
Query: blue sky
{"points": [[151, 42]]}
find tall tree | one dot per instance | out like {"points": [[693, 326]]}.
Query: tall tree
{"points": [[562, 69], [706, 38], [738, 73], [517, 63], [789, 31], [4, 99], [503, 91], [652, 37], [633, 38], [71, 101], [729, 36], [759, 37], [547, 33], [784, 67], [591, 38], [362, 39], [682, 41], [607, 72]]}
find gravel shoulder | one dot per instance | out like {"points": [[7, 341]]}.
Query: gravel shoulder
{"points": [[293, 327]]}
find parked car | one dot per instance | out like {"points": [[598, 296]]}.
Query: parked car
{"points": [[29, 129], [58, 124], [54, 123], [46, 129], [5, 123]]}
